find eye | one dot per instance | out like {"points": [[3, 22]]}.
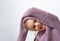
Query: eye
{"points": [[34, 20], [33, 26]]}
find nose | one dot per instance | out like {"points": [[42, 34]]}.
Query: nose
{"points": [[36, 24]]}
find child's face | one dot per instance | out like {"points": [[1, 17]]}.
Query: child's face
{"points": [[34, 25]]}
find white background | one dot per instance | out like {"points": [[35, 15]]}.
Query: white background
{"points": [[12, 10]]}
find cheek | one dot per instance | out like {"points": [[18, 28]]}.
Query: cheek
{"points": [[43, 26], [30, 25]]}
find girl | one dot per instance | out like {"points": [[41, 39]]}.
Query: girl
{"points": [[47, 25]]}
